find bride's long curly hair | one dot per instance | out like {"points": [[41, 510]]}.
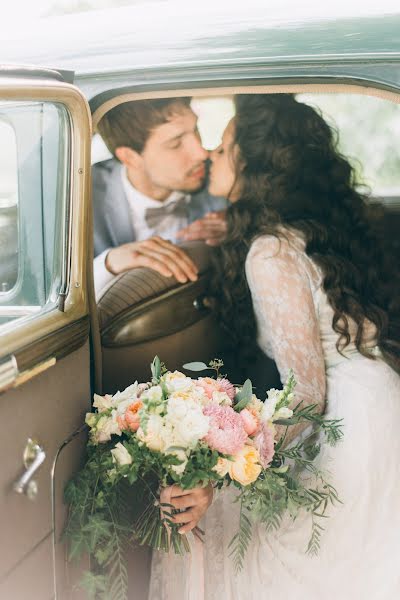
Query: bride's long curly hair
{"points": [[293, 175]]}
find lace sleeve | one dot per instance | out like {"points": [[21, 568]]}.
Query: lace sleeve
{"points": [[280, 281]]}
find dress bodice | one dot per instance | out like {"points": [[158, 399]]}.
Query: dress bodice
{"points": [[293, 314]]}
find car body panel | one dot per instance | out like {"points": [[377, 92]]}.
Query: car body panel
{"points": [[214, 41], [45, 371]]}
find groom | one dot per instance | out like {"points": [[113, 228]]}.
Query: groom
{"points": [[150, 195]]}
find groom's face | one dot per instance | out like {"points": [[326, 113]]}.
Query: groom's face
{"points": [[172, 158]]}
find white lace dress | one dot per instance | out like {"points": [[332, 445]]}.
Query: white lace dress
{"points": [[360, 547]]}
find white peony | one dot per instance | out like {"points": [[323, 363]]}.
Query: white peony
{"points": [[121, 455]]}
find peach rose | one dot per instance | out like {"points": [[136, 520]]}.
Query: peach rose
{"points": [[131, 419], [245, 468], [250, 422]]}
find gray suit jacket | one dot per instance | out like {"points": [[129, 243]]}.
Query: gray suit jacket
{"points": [[112, 218]]}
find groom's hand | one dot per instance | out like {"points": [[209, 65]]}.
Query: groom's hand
{"points": [[211, 228], [194, 503], [155, 253]]}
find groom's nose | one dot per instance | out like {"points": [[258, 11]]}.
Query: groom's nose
{"points": [[198, 153]]}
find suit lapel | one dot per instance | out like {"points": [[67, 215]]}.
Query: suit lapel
{"points": [[116, 209]]}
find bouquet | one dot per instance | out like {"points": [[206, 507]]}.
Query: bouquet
{"points": [[191, 432]]}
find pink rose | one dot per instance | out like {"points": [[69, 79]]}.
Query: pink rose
{"points": [[265, 444], [250, 422]]}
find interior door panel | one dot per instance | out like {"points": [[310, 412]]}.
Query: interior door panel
{"points": [[45, 363]]}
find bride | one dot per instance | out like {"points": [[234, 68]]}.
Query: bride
{"points": [[302, 270]]}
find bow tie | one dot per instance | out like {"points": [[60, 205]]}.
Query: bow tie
{"points": [[155, 216]]}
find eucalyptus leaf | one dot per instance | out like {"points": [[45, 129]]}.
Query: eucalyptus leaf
{"points": [[243, 397], [156, 369], [195, 366]]}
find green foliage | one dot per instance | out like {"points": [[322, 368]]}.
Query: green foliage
{"points": [[156, 370], [216, 364], [241, 540], [243, 397], [97, 524], [331, 428], [195, 366], [290, 488]]}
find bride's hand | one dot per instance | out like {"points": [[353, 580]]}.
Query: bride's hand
{"points": [[193, 503]]}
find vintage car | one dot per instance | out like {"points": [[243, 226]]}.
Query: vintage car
{"points": [[57, 346]]}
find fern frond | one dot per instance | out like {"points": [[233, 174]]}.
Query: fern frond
{"points": [[241, 540]]}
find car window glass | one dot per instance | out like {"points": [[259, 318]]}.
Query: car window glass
{"points": [[34, 155], [369, 130], [8, 208]]}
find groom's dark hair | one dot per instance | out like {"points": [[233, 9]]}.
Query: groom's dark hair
{"points": [[130, 123]]}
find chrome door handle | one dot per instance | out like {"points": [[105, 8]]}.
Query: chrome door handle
{"points": [[34, 456]]}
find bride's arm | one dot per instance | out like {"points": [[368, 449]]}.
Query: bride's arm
{"points": [[280, 281]]}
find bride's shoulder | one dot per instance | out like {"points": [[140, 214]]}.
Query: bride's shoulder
{"points": [[284, 244]]}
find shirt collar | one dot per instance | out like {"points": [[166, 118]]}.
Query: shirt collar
{"points": [[140, 202]]}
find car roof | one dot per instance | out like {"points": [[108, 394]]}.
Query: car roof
{"points": [[166, 36]]}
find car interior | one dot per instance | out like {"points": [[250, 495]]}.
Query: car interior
{"points": [[136, 307]]}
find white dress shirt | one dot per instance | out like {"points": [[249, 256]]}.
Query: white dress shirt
{"points": [[138, 204]]}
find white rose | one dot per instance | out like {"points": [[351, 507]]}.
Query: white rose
{"points": [[154, 436], [283, 413], [191, 429], [153, 394], [186, 422], [129, 393], [177, 381], [178, 407], [105, 428], [121, 455], [90, 419], [102, 403], [222, 466]]}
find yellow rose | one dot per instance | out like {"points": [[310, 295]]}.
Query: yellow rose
{"points": [[245, 468]]}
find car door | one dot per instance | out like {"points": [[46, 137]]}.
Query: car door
{"points": [[44, 322]]}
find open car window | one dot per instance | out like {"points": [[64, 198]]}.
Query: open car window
{"points": [[367, 129]]}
